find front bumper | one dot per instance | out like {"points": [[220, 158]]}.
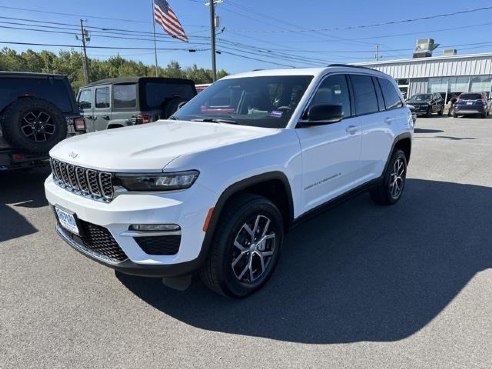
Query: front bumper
{"points": [[188, 209], [421, 110]]}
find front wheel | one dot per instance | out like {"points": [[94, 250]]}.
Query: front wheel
{"points": [[390, 190], [245, 248]]}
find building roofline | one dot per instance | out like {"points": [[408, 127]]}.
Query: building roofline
{"points": [[423, 60]]}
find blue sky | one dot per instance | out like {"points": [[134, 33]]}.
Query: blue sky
{"points": [[253, 34]]}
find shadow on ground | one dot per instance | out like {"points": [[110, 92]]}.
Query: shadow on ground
{"points": [[20, 189], [427, 130], [357, 273]]}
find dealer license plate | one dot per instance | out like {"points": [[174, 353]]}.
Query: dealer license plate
{"points": [[67, 220]]}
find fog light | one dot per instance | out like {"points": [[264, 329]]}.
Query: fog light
{"points": [[154, 227]]}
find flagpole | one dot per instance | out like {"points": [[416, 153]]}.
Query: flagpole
{"points": [[155, 42]]}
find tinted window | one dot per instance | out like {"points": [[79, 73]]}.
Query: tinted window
{"points": [[52, 89], [125, 96], [85, 99], [470, 97], [365, 96], [157, 93], [333, 91], [420, 97], [390, 94], [102, 97]]}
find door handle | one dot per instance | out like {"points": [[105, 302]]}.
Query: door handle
{"points": [[388, 121], [106, 117], [351, 129]]}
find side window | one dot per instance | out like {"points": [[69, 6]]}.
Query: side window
{"points": [[102, 97], [125, 96], [390, 94], [333, 91], [85, 99], [366, 101]]}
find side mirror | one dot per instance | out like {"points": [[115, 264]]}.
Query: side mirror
{"points": [[323, 114]]}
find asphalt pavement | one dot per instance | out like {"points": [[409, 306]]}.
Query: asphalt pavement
{"points": [[361, 286]]}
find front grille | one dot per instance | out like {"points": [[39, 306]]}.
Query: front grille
{"points": [[159, 245], [86, 182], [98, 241]]}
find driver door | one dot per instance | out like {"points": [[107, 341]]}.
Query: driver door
{"points": [[330, 152]]}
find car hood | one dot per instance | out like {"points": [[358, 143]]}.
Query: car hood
{"points": [[152, 146]]}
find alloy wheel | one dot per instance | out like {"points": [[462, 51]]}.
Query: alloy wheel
{"points": [[254, 248], [37, 126], [397, 178]]}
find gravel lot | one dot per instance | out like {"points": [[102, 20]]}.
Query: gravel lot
{"points": [[361, 286]]}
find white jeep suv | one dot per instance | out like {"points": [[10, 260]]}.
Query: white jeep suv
{"points": [[215, 188]]}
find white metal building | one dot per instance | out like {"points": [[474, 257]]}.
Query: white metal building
{"points": [[445, 74]]}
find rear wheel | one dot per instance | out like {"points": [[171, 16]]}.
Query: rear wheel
{"points": [[390, 190], [245, 248]]}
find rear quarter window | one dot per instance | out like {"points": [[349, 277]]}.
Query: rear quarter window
{"points": [[391, 96], [125, 96]]}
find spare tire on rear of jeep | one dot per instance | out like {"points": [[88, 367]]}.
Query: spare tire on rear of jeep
{"points": [[33, 125], [172, 105]]}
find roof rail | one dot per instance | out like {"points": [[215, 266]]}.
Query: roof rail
{"points": [[350, 66]]}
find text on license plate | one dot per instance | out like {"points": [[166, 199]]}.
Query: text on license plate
{"points": [[67, 220]]}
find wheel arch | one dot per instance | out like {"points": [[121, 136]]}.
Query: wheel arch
{"points": [[272, 185]]}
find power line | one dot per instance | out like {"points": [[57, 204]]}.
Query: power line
{"points": [[363, 26]]}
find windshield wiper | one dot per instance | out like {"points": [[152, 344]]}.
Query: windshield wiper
{"points": [[214, 120]]}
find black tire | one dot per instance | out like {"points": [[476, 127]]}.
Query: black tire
{"points": [[429, 112], [172, 105], [395, 175], [33, 125], [484, 115], [234, 257], [455, 115]]}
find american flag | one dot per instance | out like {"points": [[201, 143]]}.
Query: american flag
{"points": [[165, 16]]}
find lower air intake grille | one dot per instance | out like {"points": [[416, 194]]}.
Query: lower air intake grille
{"points": [[159, 245], [99, 241]]}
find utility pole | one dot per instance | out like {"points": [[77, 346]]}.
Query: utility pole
{"points": [[84, 37], [376, 54], [212, 37]]}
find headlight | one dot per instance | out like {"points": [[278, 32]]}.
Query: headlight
{"points": [[157, 181]]}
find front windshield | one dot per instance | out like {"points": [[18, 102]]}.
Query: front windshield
{"points": [[420, 97], [267, 101]]}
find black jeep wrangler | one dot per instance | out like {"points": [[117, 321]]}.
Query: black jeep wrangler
{"points": [[126, 101], [36, 112]]}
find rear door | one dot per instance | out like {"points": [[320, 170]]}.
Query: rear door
{"points": [[387, 113], [102, 107]]}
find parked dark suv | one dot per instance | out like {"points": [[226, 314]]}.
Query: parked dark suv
{"points": [[427, 104], [36, 112], [126, 101], [471, 103]]}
